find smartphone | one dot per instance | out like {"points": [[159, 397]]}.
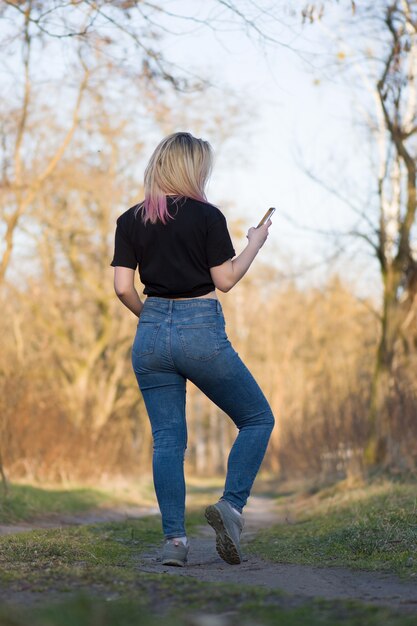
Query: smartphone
{"points": [[266, 216]]}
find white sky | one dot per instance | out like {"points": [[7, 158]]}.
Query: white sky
{"points": [[296, 120]]}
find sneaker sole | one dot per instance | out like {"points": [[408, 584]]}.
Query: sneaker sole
{"points": [[225, 546], [173, 562]]}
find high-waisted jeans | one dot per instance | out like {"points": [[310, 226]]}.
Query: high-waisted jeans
{"points": [[178, 340]]}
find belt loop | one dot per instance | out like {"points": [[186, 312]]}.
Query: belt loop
{"points": [[171, 304], [217, 306]]}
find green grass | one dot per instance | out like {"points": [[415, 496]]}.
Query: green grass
{"points": [[26, 502], [88, 575], [371, 527], [90, 552], [185, 602]]}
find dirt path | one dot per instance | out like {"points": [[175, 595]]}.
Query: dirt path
{"points": [[326, 582]]}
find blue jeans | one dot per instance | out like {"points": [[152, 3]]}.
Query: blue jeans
{"points": [[178, 340]]}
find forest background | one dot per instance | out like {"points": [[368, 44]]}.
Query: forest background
{"points": [[319, 120]]}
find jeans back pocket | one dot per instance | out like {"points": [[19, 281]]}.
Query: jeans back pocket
{"points": [[145, 337], [199, 341]]}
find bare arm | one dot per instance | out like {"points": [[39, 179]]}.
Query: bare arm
{"points": [[125, 289], [226, 276]]}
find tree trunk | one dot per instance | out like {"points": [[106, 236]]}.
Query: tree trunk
{"points": [[379, 449], [3, 477]]}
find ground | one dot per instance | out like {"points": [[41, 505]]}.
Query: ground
{"points": [[112, 554]]}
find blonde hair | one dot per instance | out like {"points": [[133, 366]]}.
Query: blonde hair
{"points": [[181, 166]]}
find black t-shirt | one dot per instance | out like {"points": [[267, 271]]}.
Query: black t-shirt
{"points": [[174, 259]]}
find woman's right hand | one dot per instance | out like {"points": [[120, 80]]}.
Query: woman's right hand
{"points": [[259, 235]]}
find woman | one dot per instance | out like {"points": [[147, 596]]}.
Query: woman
{"points": [[181, 244]]}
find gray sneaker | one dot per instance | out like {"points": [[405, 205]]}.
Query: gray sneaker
{"points": [[228, 527], [175, 552]]}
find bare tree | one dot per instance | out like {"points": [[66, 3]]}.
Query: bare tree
{"points": [[397, 253], [96, 44], [377, 44], [119, 41]]}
